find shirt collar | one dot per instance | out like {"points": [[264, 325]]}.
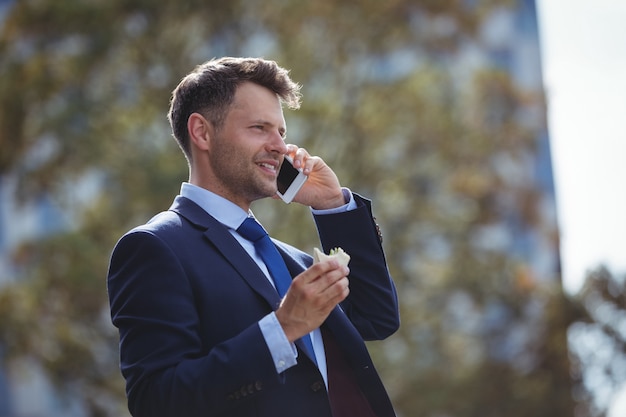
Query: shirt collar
{"points": [[223, 210]]}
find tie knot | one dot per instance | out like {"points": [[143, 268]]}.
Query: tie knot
{"points": [[251, 230]]}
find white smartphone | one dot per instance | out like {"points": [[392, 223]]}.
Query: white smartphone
{"points": [[289, 180]]}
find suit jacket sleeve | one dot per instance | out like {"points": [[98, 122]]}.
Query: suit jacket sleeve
{"points": [[372, 305], [168, 369]]}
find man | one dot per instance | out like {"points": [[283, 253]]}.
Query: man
{"points": [[203, 330]]}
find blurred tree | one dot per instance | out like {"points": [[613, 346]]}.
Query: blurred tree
{"points": [[83, 96], [597, 339]]}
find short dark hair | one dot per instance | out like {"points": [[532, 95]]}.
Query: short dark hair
{"points": [[210, 90]]}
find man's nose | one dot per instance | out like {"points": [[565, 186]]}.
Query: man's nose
{"points": [[277, 143]]}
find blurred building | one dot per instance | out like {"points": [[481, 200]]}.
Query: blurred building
{"points": [[512, 41], [528, 227]]}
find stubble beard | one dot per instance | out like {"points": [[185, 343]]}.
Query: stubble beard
{"points": [[239, 177]]}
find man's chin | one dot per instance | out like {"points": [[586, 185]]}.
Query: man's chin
{"points": [[268, 192]]}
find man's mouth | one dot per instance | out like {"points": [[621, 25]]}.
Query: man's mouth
{"points": [[267, 165]]}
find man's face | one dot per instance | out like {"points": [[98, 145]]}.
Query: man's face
{"points": [[247, 151]]}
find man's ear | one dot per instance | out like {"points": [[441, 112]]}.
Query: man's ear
{"points": [[200, 131]]}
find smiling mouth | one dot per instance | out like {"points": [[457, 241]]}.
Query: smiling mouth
{"points": [[268, 166]]}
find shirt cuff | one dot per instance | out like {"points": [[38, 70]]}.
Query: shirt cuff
{"points": [[283, 353], [350, 205]]}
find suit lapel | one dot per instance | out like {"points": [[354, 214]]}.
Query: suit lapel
{"points": [[219, 238]]}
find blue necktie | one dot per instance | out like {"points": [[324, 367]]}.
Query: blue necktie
{"points": [[251, 230]]}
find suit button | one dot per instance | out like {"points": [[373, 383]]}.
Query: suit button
{"points": [[317, 385], [378, 232], [258, 385]]}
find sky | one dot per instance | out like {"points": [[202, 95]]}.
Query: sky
{"points": [[584, 61], [584, 64]]}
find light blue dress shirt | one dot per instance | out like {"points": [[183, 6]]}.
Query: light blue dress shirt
{"points": [[231, 215]]}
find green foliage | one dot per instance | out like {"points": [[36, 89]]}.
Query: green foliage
{"points": [[83, 98], [58, 318]]}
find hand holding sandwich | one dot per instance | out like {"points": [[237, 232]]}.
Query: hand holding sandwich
{"points": [[314, 293]]}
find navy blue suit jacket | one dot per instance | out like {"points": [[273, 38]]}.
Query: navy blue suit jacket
{"points": [[187, 299]]}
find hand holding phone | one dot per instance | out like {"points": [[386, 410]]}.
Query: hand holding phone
{"points": [[289, 180]]}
